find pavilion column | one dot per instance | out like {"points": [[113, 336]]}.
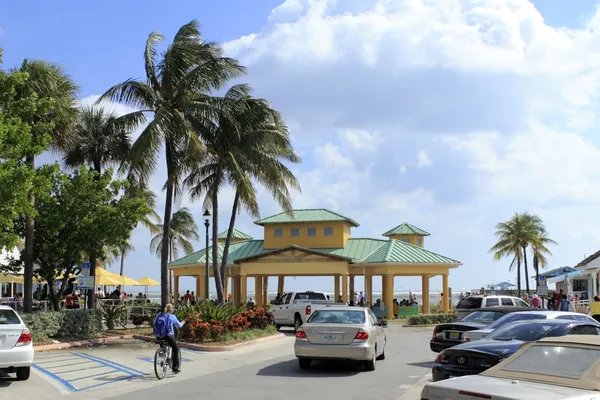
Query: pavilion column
{"points": [[176, 285], [383, 288], [235, 290], [369, 290], [351, 288], [280, 284], [425, 294], [446, 292], [258, 291], [345, 288], [265, 292], [200, 287], [336, 287], [389, 296], [226, 287], [243, 289]]}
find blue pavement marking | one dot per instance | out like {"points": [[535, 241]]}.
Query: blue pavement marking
{"points": [[151, 360], [71, 384]]}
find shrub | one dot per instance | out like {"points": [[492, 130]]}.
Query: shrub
{"points": [[71, 324], [113, 314], [430, 319], [259, 318]]}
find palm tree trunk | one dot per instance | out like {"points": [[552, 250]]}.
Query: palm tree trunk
{"points": [[121, 288], [519, 276], [164, 254], [215, 244], [536, 268], [171, 272], [526, 270], [29, 238], [234, 210], [91, 298]]}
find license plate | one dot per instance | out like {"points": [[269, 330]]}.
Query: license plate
{"points": [[454, 335], [331, 338]]}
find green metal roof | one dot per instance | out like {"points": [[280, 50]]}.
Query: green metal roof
{"points": [[357, 249], [236, 235], [406, 229], [309, 215], [397, 251]]}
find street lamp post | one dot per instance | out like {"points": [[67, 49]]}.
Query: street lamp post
{"points": [[206, 216]]}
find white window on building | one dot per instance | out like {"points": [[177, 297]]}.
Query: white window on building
{"points": [[311, 232], [295, 232], [419, 242], [328, 231], [405, 240], [278, 232]]}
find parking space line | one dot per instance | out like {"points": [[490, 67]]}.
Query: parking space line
{"points": [[109, 363], [56, 377], [92, 376], [78, 370], [54, 361]]}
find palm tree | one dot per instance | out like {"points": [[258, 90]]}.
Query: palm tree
{"points": [[48, 82], [540, 252], [248, 141], [531, 225], [177, 84], [182, 231]]}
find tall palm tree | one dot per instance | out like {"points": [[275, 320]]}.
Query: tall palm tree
{"points": [[247, 142], [540, 251], [178, 83], [49, 82], [182, 231], [531, 225]]}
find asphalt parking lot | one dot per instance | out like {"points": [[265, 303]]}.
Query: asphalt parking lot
{"points": [[265, 371]]}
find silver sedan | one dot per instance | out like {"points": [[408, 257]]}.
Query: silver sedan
{"points": [[341, 333]]}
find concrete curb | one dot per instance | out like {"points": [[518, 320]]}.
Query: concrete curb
{"points": [[415, 390], [199, 347], [80, 343], [420, 326]]}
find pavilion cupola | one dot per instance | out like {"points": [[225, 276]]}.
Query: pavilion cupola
{"points": [[408, 233]]}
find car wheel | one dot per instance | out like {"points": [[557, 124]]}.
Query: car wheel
{"points": [[370, 365], [382, 355], [297, 322], [278, 327], [304, 363], [23, 373]]}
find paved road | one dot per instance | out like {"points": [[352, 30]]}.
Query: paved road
{"points": [[265, 371]]}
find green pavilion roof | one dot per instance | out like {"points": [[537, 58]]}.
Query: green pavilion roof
{"points": [[406, 229], [397, 251], [236, 235], [308, 215]]}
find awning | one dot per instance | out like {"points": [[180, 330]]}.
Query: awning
{"points": [[571, 275]]}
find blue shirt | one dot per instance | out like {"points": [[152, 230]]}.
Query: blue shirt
{"points": [[174, 320]]}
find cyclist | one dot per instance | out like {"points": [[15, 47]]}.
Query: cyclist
{"points": [[163, 329]]}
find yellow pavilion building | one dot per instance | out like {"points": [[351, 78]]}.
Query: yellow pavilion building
{"points": [[319, 242]]}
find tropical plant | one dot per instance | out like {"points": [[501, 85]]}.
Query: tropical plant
{"points": [[178, 84], [515, 236], [113, 314], [247, 143], [182, 231], [540, 252], [50, 83]]}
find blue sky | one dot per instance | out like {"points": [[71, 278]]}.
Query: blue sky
{"points": [[399, 114]]}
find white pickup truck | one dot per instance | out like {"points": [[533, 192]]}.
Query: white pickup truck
{"points": [[294, 308]]}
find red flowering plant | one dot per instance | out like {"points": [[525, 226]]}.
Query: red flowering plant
{"points": [[259, 318]]}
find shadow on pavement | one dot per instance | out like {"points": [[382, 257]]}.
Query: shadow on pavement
{"points": [[424, 364], [5, 380], [319, 369]]}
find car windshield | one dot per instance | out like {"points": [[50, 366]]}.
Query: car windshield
{"points": [[337, 317], [508, 318], [9, 317], [470, 303], [523, 331], [553, 360], [485, 317]]}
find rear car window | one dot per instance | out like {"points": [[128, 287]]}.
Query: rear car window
{"points": [[507, 301], [9, 317], [584, 330], [337, 317], [552, 360], [492, 301], [520, 303], [310, 296], [470, 303]]}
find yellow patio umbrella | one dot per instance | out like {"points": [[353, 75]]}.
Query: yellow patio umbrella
{"points": [[146, 281], [125, 281], [107, 280], [9, 278]]}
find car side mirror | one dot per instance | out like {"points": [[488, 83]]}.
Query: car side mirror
{"points": [[383, 323]]}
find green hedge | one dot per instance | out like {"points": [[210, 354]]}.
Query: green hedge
{"points": [[431, 319], [68, 324]]}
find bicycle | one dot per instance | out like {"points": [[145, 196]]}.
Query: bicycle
{"points": [[162, 358]]}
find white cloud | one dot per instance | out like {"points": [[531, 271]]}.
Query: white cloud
{"points": [[423, 159]]}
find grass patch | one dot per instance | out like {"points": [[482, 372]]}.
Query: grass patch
{"points": [[134, 331], [240, 337]]}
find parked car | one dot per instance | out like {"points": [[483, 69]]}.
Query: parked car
{"points": [[468, 304], [341, 333], [294, 308], [479, 334], [475, 357], [16, 345], [558, 368], [451, 333]]}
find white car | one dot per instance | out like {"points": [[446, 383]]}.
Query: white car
{"points": [[478, 334], [16, 344], [555, 368]]}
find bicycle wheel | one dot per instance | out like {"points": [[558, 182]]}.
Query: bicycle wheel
{"points": [[160, 363]]}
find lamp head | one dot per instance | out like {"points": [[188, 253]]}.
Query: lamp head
{"points": [[206, 216]]}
